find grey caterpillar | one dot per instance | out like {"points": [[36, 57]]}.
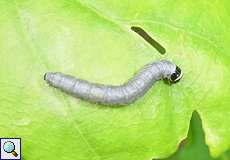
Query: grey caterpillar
{"points": [[123, 94]]}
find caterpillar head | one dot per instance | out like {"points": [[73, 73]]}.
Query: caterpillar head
{"points": [[176, 75]]}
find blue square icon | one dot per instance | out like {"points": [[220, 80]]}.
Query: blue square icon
{"points": [[10, 148]]}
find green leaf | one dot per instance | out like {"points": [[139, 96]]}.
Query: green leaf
{"points": [[194, 146], [93, 40]]}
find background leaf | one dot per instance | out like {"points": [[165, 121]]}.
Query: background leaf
{"points": [[93, 40], [194, 146]]}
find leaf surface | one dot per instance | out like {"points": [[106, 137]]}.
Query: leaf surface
{"points": [[93, 41]]}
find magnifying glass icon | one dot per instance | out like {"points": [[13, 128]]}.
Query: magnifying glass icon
{"points": [[9, 147]]}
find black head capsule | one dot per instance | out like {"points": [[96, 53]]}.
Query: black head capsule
{"points": [[176, 76]]}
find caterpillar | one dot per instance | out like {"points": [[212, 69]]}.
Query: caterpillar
{"points": [[123, 94]]}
